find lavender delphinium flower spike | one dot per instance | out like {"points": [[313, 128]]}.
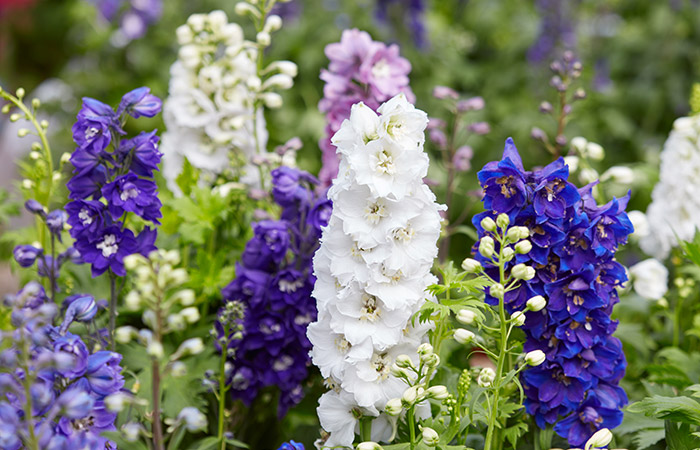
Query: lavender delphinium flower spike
{"points": [[360, 70], [557, 31], [273, 282], [573, 251], [411, 12]]}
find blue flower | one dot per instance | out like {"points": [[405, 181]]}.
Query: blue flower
{"points": [[86, 216], [584, 422], [73, 346], [26, 255], [55, 221], [139, 102], [107, 249], [144, 153], [291, 445], [504, 181], [131, 193]]}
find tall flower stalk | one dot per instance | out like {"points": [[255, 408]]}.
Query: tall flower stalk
{"points": [[372, 268]]}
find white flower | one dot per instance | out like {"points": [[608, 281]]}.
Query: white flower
{"points": [[373, 267], [193, 419], [640, 223], [674, 212], [649, 279], [618, 174], [535, 357]]}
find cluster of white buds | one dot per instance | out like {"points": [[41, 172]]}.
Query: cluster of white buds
{"points": [[373, 266], [214, 111], [165, 306]]}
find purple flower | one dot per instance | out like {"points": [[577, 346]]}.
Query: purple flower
{"points": [[291, 446], [107, 250], [75, 403], [131, 193], [26, 255], [89, 184], [269, 245], [9, 427], [71, 345], [462, 158], [85, 216], [104, 373], [143, 149], [82, 308], [55, 220], [320, 214], [94, 126], [504, 181], [287, 185], [139, 102], [35, 207]]}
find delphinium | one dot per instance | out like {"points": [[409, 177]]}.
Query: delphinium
{"points": [[219, 88], [450, 138], [113, 193], [360, 70], [557, 30], [674, 212], [54, 385], [372, 269], [166, 308], [571, 253], [411, 13], [273, 283]]}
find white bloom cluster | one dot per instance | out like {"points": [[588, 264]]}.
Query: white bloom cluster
{"points": [[674, 212], [214, 111], [373, 265]]}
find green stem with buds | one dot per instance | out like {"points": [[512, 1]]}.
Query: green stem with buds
{"points": [[222, 394]]}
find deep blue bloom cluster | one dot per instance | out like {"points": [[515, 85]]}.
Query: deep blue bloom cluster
{"points": [[412, 12], [67, 383], [573, 251], [274, 281], [113, 178]]}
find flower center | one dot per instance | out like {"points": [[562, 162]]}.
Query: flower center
{"points": [[91, 133], [369, 310], [342, 344], [290, 286], [283, 363], [385, 163], [85, 217], [382, 364], [108, 245], [404, 235], [381, 69], [375, 212], [130, 192]]}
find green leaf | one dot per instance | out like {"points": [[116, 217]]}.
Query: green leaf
{"points": [[695, 98], [396, 447], [208, 443], [691, 249], [677, 409], [121, 442], [512, 434], [187, 178], [679, 437], [647, 438], [237, 443]]}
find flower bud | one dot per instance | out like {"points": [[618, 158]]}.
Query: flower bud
{"points": [[191, 314], [600, 438], [595, 151], [278, 81], [20, 93], [393, 407], [516, 234], [488, 224], [536, 303], [117, 401], [471, 104], [131, 262], [410, 396], [572, 162], [404, 361], [132, 431], [263, 38], [522, 272], [466, 316], [178, 369], [272, 100], [438, 392], [430, 437], [523, 247], [535, 358], [193, 419], [26, 255], [497, 290], [579, 143], [486, 377], [618, 174], [398, 372], [123, 335], [132, 301], [463, 336], [191, 346], [425, 349], [369, 445], [273, 23], [185, 297], [35, 207], [479, 128], [503, 221], [486, 247], [471, 265], [155, 349], [508, 254], [518, 318]]}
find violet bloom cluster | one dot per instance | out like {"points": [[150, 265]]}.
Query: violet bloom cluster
{"points": [[274, 281], [573, 252], [360, 70], [557, 30], [134, 16], [113, 179], [66, 381], [411, 12]]}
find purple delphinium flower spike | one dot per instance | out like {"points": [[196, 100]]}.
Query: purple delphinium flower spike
{"points": [[573, 248], [273, 282]]}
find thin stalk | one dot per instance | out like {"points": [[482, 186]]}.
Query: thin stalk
{"points": [[52, 269], [112, 308], [411, 427], [445, 244], [157, 425], [677, 322], [501, 356], [366, 429], [222, 396], [33, 443]]}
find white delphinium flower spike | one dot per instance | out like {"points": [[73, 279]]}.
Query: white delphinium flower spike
{"points": [[373, 266]]}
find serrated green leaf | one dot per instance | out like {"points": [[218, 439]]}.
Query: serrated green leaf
{"points": [[678, 436], [677, 409], [208, 443], [512, 434]]}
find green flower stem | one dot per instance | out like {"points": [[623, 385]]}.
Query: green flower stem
{"points": [[33, 442], [112, 308], [222, 394], [158, 442], [366, 429], [502, 354], [411, 427]]}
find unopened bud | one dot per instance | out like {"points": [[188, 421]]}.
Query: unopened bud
{"points": [[595, 151], [508, 254], [22, 132], [404, 361], [522, 272], [486, 247], [488, 224], [463, 336], [263, 38], [430, 437], [486, 377], [410, 396], [535, 358], [600, 438], [523, 247], [516, 234], [369, 445], [503, 221], [393, 407], [466, 316], [536, 303], [438, 392], [425, 349], [518, 318], [20, 93], [471, 265], [497, 290]]}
